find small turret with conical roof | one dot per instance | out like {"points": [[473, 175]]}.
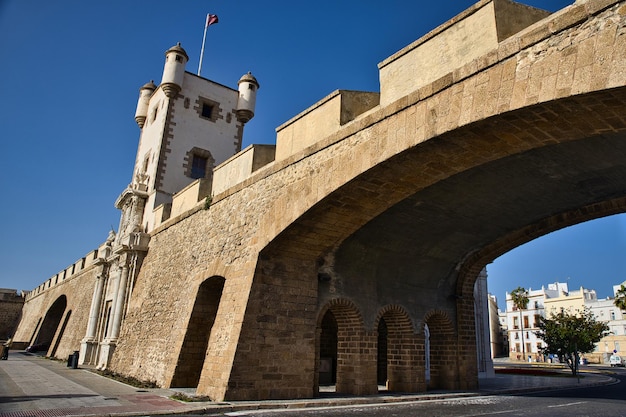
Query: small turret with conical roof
{"points": [[247, 97], [142, 104], [175, 60]]}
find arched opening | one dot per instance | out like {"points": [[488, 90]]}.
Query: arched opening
{"points": [[398, 352], [355, 370], [381, 369], [195, 344], [328, 350], [427, 354], [441, 351], [50, 324]]}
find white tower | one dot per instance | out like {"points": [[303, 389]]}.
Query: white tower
{"points": [[189, 125], [174, 71], [142, 104], [247, 97]]}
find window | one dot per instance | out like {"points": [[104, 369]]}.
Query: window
{"points": [[537, 319], [199, 164], [198, 167], [515, 325], [612, 315], [179, 58], [207, 109], [526, 324]]}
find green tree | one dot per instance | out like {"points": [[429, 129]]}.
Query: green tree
{"points": [[569, 334], [620, 298], [519, 296]]}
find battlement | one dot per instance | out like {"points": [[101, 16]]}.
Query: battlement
{"points": [[239, 167], [321, 120], [69, 272], [462, 39]]}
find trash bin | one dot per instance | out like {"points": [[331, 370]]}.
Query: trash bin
{"points": [[72, 360]]}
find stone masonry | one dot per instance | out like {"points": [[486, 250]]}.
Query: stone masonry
{"points": [[374, 235]]}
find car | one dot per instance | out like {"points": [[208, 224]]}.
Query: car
{"points": [[616, 360]]}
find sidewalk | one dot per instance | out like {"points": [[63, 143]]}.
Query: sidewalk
{"points": [[35, 386]]}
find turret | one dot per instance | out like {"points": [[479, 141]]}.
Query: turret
{"points": [[175, 60], [247, 98], [142, 104]]}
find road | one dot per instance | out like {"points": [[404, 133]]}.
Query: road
{"points": [[604, 401]]}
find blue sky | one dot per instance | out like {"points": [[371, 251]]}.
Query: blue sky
{"points": [[69, 78]]}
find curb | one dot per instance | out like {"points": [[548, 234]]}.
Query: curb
{"points": [[382, 399]]}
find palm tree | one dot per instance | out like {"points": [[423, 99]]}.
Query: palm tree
{"points": [[620, 298], [520, 302]]}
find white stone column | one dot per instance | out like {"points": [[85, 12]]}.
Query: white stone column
{"points": [[119, 303], [89, 342], [109, 330], [96, 304], [107, 347]]}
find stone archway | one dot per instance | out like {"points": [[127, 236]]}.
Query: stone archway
{"points": [[399, 351], [356, 348], [328, 350], [443, 351]]}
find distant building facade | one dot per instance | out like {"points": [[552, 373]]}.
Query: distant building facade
{"points": [[497, 335], [523, 325], [11, 303]]}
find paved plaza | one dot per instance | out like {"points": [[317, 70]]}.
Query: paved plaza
{"points": [[34, 386]]}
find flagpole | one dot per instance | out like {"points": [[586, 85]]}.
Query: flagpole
{"points": [[206, 26]]}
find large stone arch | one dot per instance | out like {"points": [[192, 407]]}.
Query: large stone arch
{"points": [[471, 266]]}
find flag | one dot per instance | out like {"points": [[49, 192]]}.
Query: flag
{"points": [[211, 19]]}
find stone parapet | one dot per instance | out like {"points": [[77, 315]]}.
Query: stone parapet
{"points": [[77, 267]]}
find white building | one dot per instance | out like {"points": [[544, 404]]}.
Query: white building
{"points": [[606, 311], [522, 325]]}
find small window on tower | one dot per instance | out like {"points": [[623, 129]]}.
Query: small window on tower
{"points": [[179, 58], [198, 167], [207, 110]]}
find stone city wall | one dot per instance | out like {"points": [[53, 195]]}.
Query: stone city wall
{"points": [[261, 343], [11, 303], [74, 294], [225, 240]]}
